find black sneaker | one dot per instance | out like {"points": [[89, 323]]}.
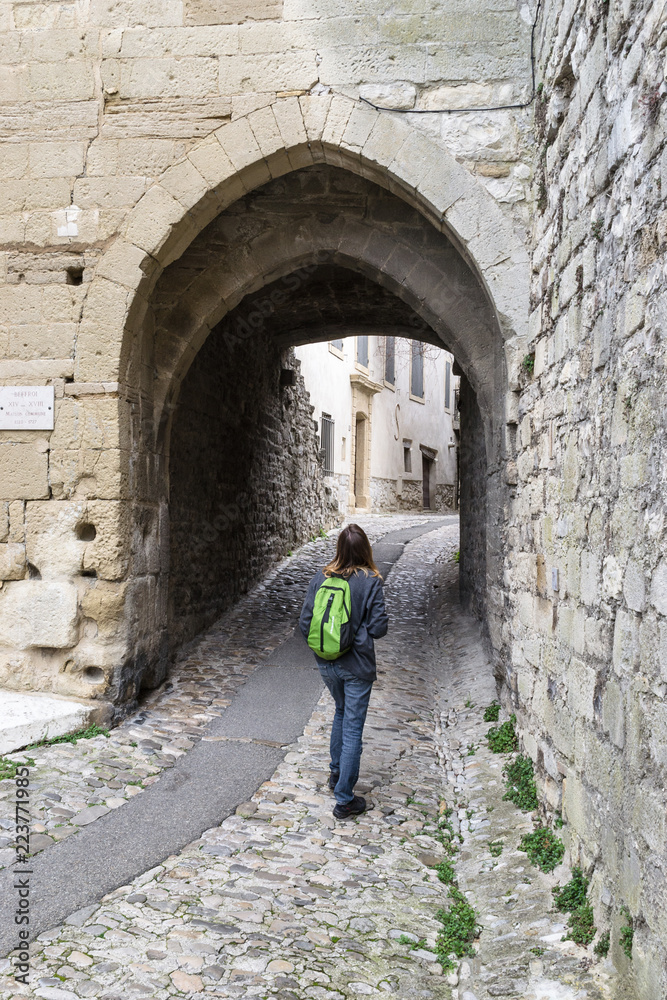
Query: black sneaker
{"points": [[353, 808], [333, 779]]}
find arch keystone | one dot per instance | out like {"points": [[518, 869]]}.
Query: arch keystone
{"points": [[289, 119], [338, 116], [315, 111]]}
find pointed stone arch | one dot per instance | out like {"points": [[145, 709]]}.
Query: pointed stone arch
{"points": [[118, 331], [267, 143]]}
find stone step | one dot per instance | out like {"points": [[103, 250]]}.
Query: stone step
{"points": [[29, 718]]}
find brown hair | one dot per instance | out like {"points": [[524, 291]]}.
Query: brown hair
{"points": [[353, 553]]}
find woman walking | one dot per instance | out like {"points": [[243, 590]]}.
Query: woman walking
{"points": [[341, 616]]}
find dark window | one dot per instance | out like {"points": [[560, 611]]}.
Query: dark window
{"points": [[327, 444], [448, 380], [417, 370], [389, 360], [338, 344], [362, 351]]}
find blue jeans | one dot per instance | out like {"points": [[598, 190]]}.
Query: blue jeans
{"points": [[351, 696]]}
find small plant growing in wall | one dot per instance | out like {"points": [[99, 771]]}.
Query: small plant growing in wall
{"points": [[491, 712], [597, 229], [627, 933], [571, 898], [459, 929], [528, 364], [520, 783], [8, 768], [445, 872], [601, 947], [81, 734]]}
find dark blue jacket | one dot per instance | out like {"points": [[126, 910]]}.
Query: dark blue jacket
{"points": [[369, 621]]}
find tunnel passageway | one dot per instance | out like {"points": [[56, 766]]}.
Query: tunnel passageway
{"points": [[341, 257]]}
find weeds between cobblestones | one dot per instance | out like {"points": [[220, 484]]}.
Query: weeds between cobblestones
{"points": [[282, 901]]}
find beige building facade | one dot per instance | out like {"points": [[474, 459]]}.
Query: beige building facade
{"points": [[387, 415], [187, 188]]}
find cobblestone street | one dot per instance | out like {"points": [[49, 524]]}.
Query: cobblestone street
{"points": [[283, 900]]}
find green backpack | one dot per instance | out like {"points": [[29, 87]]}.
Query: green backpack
{"points": [[330, 634]]}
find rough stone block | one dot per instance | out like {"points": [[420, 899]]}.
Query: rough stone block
{"points": [[633, 469], [634, 586], [12, 561], [581, 688], [231, 11], [590, 576], [151, 222], [289, 118], [56, 159], [613, 713], [105, 604], [634, 310], [626, 643], [143, 79], [578, 807], [38, 613], [68, 80], [23, 471], [88, 422], [598, 638], [212, 162], [184, 182], [659, 588]]}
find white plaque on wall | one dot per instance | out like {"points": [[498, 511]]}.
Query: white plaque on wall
{"points": [[26, 407]]}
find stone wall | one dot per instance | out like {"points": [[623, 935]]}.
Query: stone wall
{"points": [[472, 503], [385, 496], [245, 484], [586, 637]]}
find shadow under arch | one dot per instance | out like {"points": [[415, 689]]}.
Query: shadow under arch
{"points": [[316, 216], [266, 144]]}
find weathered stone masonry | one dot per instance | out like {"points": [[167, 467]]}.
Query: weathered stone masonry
{"points": [[245, 485], [131, 127], [587, 649]]}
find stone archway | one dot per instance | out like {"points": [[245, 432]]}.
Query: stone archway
{"points": [[323, 242], [269, 143], [124, 318]]}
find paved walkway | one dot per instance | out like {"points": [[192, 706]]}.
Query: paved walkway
{"points": [[73, 786], [245, 744], [282, 900]]}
